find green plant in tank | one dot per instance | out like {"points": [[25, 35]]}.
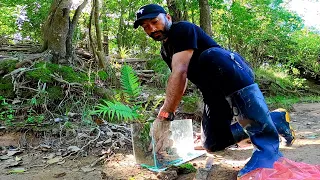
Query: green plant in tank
{"points": [[144, 135]]}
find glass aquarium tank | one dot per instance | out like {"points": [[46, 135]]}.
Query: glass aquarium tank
{"points": [[178, 142]]}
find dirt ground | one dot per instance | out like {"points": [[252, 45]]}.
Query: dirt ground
{"points": [[305, 120]]}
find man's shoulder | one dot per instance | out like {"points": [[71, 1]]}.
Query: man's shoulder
{"points": [[184, 24], [182, 28]]}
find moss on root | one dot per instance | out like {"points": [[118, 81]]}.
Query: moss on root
{"points": [[44, 71], [55, 93], [8, 65], [6, 88]]}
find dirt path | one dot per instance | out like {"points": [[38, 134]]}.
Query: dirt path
{"points": [[305, 120]]}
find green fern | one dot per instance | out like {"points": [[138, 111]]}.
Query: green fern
{"points": [[130, 82], [115, 111]]}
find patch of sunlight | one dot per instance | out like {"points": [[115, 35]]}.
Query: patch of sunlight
{"points": [[308, 142], [280, 75], [236, 162]]}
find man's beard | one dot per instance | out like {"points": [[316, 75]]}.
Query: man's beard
{"points": [[161, 35]]}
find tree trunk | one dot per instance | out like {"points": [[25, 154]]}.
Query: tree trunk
{"points": [[100, 52], [205, 18], [97, 48], [174, 10], [105, 32], [56, 29], [185, 11], [59, 29], [73, 25]]}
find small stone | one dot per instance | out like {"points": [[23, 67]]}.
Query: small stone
{"points": [[167, 175], [73, 148], [57, 120]]}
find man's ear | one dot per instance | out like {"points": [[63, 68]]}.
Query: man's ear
{"points": [[168, 17]]}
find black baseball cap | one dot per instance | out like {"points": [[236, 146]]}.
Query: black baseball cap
{"points": [[148, 12]]}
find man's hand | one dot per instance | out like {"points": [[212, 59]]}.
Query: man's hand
{"points": [[161, 133]]}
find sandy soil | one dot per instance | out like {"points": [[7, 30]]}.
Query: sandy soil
{"points": [[305, 120]]}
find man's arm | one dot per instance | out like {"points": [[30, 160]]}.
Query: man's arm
{"points": [[177, 80]]}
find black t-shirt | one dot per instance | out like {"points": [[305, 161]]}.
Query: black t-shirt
{"points": [[183, 36]]}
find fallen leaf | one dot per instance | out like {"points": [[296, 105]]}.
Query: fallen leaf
{"points": [[87, 169], [15, 101], [45, 147], [59, 175], [122, 143], [13, 164], [17, 170], [4, 157], [61, 162], [54, 160], [12, 153], [18, 158]]}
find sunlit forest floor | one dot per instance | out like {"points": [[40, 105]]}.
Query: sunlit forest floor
{"points": [[305, 120]]}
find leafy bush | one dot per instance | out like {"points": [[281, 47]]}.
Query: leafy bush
{"points": [[118, 111], [276, 81]]}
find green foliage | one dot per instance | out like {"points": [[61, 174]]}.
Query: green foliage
{"points": [[287, 102], [55, 93], [116, 111], [278, 81], [186, 168], [8, 65], [162, 72], [102, 75], [123, 52], [144, 135], [6, 88], [33, 118], [190, 103], [6, 112], [7, 23], [130, 82]]}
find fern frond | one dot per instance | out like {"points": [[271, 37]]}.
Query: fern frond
{"points": [[130, 82], [115, 111]]}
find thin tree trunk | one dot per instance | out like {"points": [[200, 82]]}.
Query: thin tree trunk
{"points": [[174, 10], [105, 32], [185, 11], [92, 45], [205, 22], [72, 27], [56, 29], [100, 52]]}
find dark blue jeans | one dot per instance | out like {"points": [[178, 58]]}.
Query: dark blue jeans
{"points": [[223, 72]]}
